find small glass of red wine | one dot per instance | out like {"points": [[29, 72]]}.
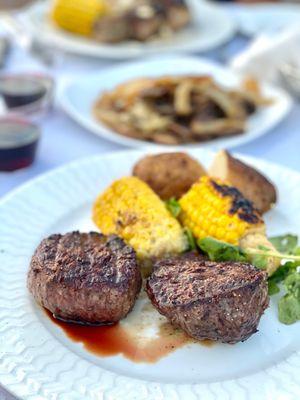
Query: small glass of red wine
{"points": [[26, 94], [24, 97], [18, 143]]}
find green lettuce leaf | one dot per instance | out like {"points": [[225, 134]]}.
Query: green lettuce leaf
{"points": [[173, 206], [221, 251], [273, 288], [289, 309], [292, 284], [289, 304], [260, 261], [284, 270], [190, 238], [285, 243], [297, 251]]}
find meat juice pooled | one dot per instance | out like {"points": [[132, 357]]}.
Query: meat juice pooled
{"points": [[126, 338]]}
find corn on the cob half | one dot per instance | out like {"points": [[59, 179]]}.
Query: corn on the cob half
{"points": [[130, 209], [78, 16], [213, 208]]}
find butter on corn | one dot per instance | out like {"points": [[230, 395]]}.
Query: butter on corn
{"points": [[216, 209], [130, 209], [78, 16]]}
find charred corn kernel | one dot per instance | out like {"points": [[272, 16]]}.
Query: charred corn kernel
{"points": [[78, 16], [130, 209], [213, 208]]}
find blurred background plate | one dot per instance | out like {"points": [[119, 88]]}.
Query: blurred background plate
{"points": [[211, 27], [77, 98]]}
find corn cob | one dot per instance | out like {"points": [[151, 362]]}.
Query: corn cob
{"points": [[78, 16], [130, 209], [213, 208]]}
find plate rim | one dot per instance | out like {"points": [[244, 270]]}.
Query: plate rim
{"points": [[190, 389], [113, 153]]}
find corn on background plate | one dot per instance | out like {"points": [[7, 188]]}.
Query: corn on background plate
{"points": [[77, 97], [211, 27], [38, 362]]}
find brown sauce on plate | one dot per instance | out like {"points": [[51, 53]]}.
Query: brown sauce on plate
{"points": [[117, 339]]}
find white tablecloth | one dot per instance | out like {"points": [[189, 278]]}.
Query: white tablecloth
{"points": [[63, 140]]}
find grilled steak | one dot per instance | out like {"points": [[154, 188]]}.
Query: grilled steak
{"points": [[209, 300], [86, 278]]}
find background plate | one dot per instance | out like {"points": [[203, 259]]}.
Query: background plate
{"points": [[39, 362], [210, 28], [77, 98]]}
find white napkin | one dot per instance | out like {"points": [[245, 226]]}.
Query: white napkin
{"points": [[267, 53]]}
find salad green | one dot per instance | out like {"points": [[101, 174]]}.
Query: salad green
{"points": [[289, 304], [190, 238], [173, 206], [285, 244], [221, 251]]}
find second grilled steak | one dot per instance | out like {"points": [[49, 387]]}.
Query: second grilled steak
{"points": [[86, 278], [209, 300]]}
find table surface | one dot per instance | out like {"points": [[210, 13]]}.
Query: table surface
{"points": [[63, 140]]}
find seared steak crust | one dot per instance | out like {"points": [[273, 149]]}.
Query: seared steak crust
{"points": [[209, 300], [86, 278]]}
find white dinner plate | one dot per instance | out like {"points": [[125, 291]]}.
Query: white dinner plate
{"points": [[77, 98], [38, 361], [211, 26]]}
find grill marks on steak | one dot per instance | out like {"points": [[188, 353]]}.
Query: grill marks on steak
{"points": [[90, 278], [209, 300], [85, 277], [90, 260]]}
